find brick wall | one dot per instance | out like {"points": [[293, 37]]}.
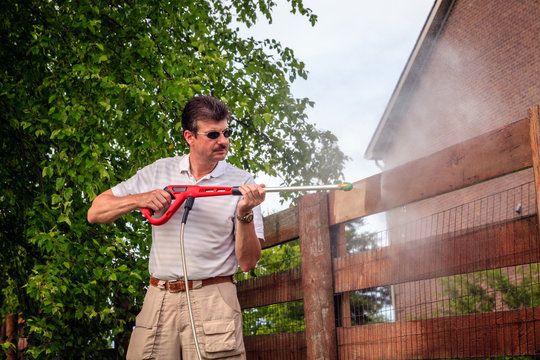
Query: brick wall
{"points": [[483, 73]]}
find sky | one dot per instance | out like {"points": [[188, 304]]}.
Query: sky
{"points": [[354, 56]]}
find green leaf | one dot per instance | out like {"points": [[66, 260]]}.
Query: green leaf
{"points": [[56, 199], [123, 268], [59, 183], [47, 171], [63, 218]]}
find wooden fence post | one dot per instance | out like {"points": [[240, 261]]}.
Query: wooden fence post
{"points": [[317, 279], [11, 334], [534, 124]]}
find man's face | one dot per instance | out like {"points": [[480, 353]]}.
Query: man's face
{"points": [[204, 148]]}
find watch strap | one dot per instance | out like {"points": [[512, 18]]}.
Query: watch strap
{"points": [[245, 219]]}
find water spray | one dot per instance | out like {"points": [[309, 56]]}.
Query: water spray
{"points": [[188, 193]]}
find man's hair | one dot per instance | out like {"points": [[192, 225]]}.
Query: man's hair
{"points": [[203, 107]]}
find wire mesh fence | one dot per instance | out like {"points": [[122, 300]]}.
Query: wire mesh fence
{"points": [[496, 289], [275, 318]]}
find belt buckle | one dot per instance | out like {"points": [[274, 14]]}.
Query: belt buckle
{"points": [[178, 285]]}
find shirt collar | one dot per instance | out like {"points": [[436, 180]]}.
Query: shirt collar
{"points": [[218, 170], [184, 164]]}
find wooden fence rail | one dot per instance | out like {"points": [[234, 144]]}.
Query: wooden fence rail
{"points": [[467, 336], [510, 243]]}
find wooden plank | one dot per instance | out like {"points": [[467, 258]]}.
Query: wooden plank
{"points": [[534, 132], [276, 346], [441, 256], [317, 284], [484, 157], [281, 227], [466, 336], [275, 288], [362, 200]]}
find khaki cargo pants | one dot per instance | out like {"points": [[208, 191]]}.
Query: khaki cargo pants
{"points": [[163, 329]]}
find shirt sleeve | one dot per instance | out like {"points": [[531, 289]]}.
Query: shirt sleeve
{"points": [[141, 182]]}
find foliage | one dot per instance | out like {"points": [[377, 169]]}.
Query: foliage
{"points": [[91, 91], [358, 239], [522, 292], [273, 319], [276, 318], [277, 258], [367, 305], [466, 295], [479, 292]]}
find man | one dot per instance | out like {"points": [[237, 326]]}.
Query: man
{"points": [[221, 233]]}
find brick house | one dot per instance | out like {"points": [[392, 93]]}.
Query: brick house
{"points": [[474, 69]]}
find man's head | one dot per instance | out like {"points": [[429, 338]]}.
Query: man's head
{"points": [[205, 123], [203, 108]]}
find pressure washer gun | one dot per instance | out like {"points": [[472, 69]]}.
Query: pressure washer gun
{"points": [[179, 193]]}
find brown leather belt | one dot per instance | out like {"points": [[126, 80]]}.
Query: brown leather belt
{"points": [[180, 285]]}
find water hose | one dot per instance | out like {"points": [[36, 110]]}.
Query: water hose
{"points": [[188, 206]]}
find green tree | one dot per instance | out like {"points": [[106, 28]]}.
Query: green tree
{"points": [[477, 292], [521, 292], [358, 239], [466, 294], [276, 318], [91, 91], [367, 305]]}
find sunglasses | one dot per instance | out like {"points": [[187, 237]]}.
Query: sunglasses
{"points": [[215, 134]]}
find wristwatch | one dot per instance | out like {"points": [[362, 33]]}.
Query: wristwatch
{"points": [[245, 219]]}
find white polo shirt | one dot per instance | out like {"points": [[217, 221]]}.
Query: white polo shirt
{"points": [[210, 227]]}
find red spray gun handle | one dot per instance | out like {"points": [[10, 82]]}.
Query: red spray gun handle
{"points": [[179, 193]]}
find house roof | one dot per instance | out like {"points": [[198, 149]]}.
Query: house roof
{"points": [[387, 126]]}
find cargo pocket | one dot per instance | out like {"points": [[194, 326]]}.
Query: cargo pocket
{"points": [[143, 337], [220, 339]]}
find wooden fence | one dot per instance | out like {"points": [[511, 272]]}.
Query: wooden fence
{"points": [[11, 331], [318, 221]]}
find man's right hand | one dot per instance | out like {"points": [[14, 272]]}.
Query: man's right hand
{"points": [[106, 207], [156, 200]]}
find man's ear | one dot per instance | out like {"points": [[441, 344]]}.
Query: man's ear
{"points": [[188, 135]]}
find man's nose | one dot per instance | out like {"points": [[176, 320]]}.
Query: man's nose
{"points": [[221, 138]]}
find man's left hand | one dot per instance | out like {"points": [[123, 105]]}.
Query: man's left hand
{"points": [[253, 195]]}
